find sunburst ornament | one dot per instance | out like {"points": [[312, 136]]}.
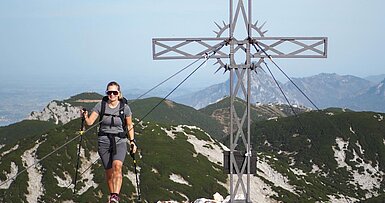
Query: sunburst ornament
{"points": [[224, 27]]}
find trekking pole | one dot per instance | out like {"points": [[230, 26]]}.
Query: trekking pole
{"points": [[79, 147], [136, 172]]}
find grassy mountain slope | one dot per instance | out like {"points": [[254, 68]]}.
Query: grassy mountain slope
{"points": [[340, 153], [169, 112], [220, 111], [201, 177], [86, 100], [258, 112], [9, 135]]}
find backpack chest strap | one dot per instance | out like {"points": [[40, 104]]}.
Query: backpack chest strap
{"points": [[121, 111]]}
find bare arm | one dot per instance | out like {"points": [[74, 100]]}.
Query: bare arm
{"points": [[130, 131], [90, 119], [130, 128]]}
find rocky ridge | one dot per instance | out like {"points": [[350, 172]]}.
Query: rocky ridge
{"points": [[58, 112]]}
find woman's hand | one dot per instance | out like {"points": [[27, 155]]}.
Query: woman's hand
{"points": [[89, 119], [84, 113]]}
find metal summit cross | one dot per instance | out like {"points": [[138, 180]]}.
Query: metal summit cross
{"points": [[235, 54]]}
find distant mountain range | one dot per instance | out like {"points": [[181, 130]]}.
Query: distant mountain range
{"points": [[263, 90], [373, 99], [328, 90], [333, 155], [324, 90], [375, 78]]}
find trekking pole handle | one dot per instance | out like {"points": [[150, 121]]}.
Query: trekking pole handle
{"points": [[83, 119], [132, 152]]}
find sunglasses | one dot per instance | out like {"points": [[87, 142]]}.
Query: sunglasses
{"points": [[112, 92]]}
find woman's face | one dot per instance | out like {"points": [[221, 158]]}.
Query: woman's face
{"points": [[113, 92]]}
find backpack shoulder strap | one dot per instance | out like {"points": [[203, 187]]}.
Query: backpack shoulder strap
{"points": [[103, 107], [122, 116]]}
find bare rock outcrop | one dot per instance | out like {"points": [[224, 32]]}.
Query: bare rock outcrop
{"points": [[59, 112]]}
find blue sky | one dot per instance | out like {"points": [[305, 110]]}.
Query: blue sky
{"points": [[92, 42]]}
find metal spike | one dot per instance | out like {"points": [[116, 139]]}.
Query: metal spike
{"points": [[218, 69], [262, 26], [264, 31], [220, 28], [224, 24], [259, 67], [216, 32], [255, 24]]}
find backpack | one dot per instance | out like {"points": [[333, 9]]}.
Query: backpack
{"points": [[122, 102]]}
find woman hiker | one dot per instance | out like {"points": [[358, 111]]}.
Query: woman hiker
{"points": [[115, 129]]}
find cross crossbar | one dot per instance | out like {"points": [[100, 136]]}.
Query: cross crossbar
{"points": [[295, 47], [172, 48]]}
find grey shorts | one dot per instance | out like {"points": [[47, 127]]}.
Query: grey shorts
{"points": [[105, 150]]}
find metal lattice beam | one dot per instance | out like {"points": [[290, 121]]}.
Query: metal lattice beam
{"points": [[295, 47], [304, 47], [173, 48]]}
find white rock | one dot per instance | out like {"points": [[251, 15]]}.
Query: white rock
{"points": [[218, 197], [14, 170], [34, 185], [9, 151], [88, 176], [178, 179]]}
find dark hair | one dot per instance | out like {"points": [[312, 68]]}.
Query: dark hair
{"points": [[113, 83]]}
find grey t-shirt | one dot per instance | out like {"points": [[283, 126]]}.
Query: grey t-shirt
{"points": [[106, 124]]}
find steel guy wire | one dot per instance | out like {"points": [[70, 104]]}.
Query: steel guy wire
{"points": [[283, 93], [276, 65]]}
